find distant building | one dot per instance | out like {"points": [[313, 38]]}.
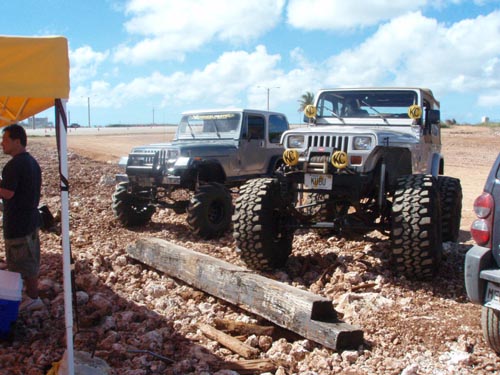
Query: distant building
{"points": [[485, 119], [39, 122]]}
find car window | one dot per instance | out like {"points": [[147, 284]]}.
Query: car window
{"points": [[256, 127], [277, 125]]}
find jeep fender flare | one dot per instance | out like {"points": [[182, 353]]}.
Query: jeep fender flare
{"points": [[209, 170], [396, 159], [437, 165]]}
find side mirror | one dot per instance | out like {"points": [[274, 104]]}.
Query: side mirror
{"points": [[309, 120], [434, 116]]}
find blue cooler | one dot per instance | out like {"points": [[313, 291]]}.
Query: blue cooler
{"points": [[11, 289]]}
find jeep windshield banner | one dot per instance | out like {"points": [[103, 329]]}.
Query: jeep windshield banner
{"points": [[209, 125], [366, 103]]}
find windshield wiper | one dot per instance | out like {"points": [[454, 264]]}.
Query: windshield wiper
{"points": [[190, 129], [335, 115], [216, 129], [377, 112]]}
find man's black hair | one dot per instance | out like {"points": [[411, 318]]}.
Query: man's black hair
{"points": [[16, 131]]}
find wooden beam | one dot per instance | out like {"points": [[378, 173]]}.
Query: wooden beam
{"points": [[310, 315]]}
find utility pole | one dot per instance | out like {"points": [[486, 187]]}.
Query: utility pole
{"points": [[268, 89], [88, 108]]}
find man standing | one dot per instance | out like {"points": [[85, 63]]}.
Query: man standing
{"points": [[20, 191]]}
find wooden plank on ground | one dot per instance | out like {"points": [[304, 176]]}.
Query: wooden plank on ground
{"points": [[246, 351], [300, 311], [243, 328]]}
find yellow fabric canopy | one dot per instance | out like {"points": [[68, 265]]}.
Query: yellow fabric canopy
{"points": [[34, 71]]}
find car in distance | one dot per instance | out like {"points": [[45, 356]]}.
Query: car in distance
{"points": [[74, 125], [482, 261]]}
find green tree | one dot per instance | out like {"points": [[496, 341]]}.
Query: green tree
{"points": [[305, 100]]}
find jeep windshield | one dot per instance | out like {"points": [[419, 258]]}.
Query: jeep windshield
{"points": [[216, 125], [381, 104]]}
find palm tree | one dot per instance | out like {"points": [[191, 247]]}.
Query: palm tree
{"points": [[305, 100]]}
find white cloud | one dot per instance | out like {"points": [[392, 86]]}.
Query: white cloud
{"points": [[342, 14], [409, 50], [84, 63], [171, 28], [220, 82], [415, 50]]}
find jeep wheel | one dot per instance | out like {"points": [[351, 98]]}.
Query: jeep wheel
{"points": [[129, 210], [209, 211], [263, 240], [450, 192], [415, 230], [490, 323]]}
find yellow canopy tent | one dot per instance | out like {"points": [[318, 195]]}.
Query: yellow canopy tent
{"points": [[34, 76], [33, 73]]}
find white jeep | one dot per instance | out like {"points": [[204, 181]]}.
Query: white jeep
{"points": [[368, 159]]}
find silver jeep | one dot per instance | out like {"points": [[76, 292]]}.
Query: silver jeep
{"points": [[368, 159], [212, 151]]}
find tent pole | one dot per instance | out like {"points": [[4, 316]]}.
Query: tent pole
{"points": [[61, 133]]}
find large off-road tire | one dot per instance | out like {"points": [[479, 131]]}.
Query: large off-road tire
{"points": [[129, 210], [416, 227], [450, 192], [209, 211], [263, 239], [490, 323]]}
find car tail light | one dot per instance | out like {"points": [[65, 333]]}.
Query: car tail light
{"points": [[481, 227]]}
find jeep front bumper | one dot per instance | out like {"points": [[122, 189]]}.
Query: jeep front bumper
{"points": [[146, 181]]}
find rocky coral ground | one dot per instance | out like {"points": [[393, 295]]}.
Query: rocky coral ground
{"points": [[128, 314]]}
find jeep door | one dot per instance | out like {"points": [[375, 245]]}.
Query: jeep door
{"points": [[254, 151]]}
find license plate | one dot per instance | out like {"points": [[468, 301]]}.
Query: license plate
{"points": [[172, 180], [492, 298], [318, 181]]}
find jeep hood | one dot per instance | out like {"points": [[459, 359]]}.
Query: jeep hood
{"points": [[191, 148]]}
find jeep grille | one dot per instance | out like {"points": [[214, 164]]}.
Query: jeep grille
{"points": [[337, 142], [146, 162]]}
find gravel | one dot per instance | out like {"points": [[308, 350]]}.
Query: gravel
{"points": [[127, 313]]}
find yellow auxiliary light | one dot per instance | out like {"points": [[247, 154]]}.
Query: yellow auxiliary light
{"points": [[310, 111], [339, 159], [414, 112], [291, 157]]}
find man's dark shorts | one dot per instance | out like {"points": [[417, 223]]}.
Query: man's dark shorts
{"points": [[23, 254]]}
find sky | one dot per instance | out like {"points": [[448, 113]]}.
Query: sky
{"points": [[147, 61]]}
